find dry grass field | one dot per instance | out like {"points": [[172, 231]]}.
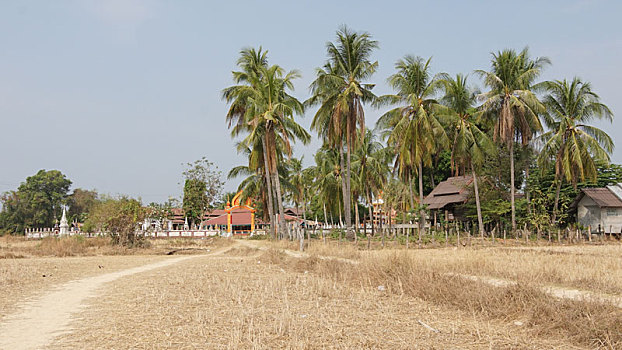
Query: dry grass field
{"points": [[265, 295], [19, 247], [28, 267]]}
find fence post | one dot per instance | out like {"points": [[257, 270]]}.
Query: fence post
{"points": [[589, 233]]}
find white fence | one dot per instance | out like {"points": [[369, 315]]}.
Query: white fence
{"points": [[48, 232], [43, 233], [182, 233]]}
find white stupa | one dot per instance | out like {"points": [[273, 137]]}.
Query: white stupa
{"points": [[64, 225]]}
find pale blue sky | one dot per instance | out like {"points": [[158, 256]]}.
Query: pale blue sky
{"points": [[117, 94]]}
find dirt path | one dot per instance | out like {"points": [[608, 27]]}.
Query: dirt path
{"points": [[45, 317]]}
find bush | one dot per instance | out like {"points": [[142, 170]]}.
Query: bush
{"points": [[336, 233], [119, 218]]}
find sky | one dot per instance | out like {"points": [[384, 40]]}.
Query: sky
{"points": [[119, 94]]}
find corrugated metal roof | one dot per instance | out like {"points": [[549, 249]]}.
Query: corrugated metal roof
{"points": [[453, 190], [616, 189], [603, 197]]}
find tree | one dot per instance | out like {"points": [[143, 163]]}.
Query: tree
{"points": [[202, 187], [80, 203], [371, 164], [544, 185], [574, 146], [253, 184], [395, 195], [262, 107], [340, 92], [469, 144], [298, 180], [511, 103], [119, 218], [412, 129], [36, 203], [160, 211], [327, 174]]}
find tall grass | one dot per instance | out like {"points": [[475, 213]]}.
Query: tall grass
{"points": [[585, 323]]}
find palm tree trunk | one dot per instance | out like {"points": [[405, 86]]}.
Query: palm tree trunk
{"points": [[480, 223], [527, 195], [325, 222], [512, 188], [559, 187], [304, 220], [269, 185], [282, 225], [356, 220], [344, 185], [410, 190], [421, 212], [382, 213], [325, 217], [390, 221], [298, 211], [277, 184], [371, 214], [348, 203]]}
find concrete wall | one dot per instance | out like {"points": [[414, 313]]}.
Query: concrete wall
{"points": [[589, 214]]}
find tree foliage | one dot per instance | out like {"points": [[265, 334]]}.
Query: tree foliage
{"points": [[202, 186], [80, 203], [119, 218], [36, 203]]}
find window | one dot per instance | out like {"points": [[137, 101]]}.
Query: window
{"points": [[612, 212]]}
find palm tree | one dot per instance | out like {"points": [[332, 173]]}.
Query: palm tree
{"points": [[469, 144], [327, 174], [371, 164], [262, 107], [250, 61], [573, 145], [511, 102], [341, 93], [298, 187], [412, 129], [395, 196], [253, 184]]}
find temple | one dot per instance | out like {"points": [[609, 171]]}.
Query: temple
{"points": [[237, 218]]}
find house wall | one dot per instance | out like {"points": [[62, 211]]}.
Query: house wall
{"points": [[611, 219], [589, 214]]}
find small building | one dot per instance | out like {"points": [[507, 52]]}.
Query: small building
{"points": [[237, 218], [448, 194], [600, 208], [293, 212]]}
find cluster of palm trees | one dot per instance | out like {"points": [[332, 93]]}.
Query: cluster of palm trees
{"points": [[428, 114]]}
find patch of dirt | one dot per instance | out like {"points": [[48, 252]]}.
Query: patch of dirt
{"points": [[21, 279], [44, 317]]}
